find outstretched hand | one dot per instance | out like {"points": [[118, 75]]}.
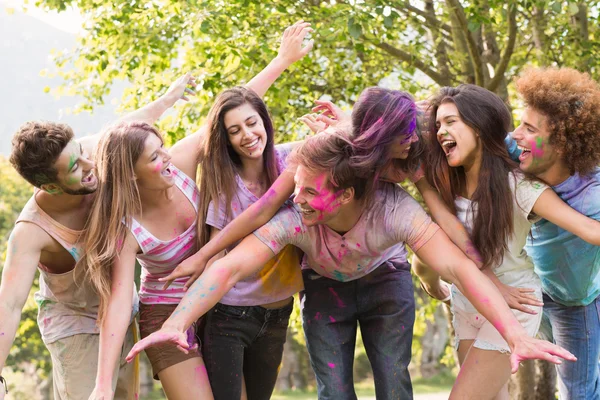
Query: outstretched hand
{"points": [[313, 123], [330, 114], [182, 87], [529, 348], [162, 336], [291, 48], [192, 266]]}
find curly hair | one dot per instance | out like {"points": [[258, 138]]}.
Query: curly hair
{"points": [[36, 146], [571, 102]]}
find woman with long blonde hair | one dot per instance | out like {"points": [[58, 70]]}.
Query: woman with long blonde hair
{"points": [[147, 209]]}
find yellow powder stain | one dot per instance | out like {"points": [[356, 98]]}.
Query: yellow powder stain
{"points": [[282, 271]]}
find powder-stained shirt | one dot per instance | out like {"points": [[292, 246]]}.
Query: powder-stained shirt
{"points": [[391, 219], [160, 257], [516, 268], [280, 278], [568, 266]]}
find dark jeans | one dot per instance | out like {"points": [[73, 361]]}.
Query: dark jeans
{"points": [[244, 341], [383, 304], [577, 329]]}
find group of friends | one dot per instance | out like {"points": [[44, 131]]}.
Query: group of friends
{"points": [[228, 226]]}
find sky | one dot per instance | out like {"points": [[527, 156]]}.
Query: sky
{"points": [[68, 21]]}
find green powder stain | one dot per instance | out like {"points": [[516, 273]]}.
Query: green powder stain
{"points": [[72, 161], [43, 302]]}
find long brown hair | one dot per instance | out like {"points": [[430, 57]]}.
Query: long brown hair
{"points": [[488, 116], [220, 163], [117, 201]]}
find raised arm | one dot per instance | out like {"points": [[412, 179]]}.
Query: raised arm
{"points": [[22, 256], [115, 323], [246, 258], [247, 222], [447, 260], [186, 152], [150, 113], [290, 51], [549, 206]]}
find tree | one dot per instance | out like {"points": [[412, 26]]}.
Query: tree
{"points": [[419, 44]]}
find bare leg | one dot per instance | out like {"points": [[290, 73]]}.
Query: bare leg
{"points": [[244, 393], [483, 374], [186, 380]]}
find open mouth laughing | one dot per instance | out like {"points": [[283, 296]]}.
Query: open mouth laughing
{"points": [[448, 145]]}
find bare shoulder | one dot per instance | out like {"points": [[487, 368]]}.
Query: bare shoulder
{"points": [[187, 152], [29, 237]]}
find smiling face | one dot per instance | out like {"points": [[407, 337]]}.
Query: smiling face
{"points": [[246, 132], [318, 201], [401, 147], [153, 169], [532, 137], [75, 172], [458, 140]]}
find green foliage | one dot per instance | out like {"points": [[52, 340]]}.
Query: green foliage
{"points": [[14, 193]]}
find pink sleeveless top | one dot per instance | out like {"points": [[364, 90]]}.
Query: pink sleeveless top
{"points": [[159, 258]]}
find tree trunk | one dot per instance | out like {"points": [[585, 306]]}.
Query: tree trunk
{"points": [[292, 375], [433, 344], [536, 380]]}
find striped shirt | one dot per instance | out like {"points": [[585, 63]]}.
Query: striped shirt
{"points": [[159, 258]]}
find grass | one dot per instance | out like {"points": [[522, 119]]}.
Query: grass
{"points": [[439, 383]]}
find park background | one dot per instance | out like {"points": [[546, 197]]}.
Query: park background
{"points": [[84, 62]]}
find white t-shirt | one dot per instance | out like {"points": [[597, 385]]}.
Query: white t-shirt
{"points": [[516, 268]]}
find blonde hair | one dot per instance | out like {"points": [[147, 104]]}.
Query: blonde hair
{"points": [[117, 201]]}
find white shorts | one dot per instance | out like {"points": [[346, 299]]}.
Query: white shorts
{"points": [[471, 325]]}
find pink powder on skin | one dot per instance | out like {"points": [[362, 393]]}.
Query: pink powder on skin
{"points": [[537, 147], [158, 167]]}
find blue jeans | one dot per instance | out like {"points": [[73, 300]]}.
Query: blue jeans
{"points": [[248, 341], [383, 304], [577, 329]]}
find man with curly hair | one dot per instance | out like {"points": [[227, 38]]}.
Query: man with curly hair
{"points": [[559, 142]]}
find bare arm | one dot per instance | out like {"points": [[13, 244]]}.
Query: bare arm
{"points": [[247, 222], [150, 113], [290, 51], [115, 323], [449, 222], [447, 260], [23, 254], [549, 206], [245, 259]]}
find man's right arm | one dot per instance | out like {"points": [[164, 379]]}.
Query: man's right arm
{"points": [[23, 254]]}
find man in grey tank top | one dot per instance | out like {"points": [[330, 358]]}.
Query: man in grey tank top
{"points": [[48, 236]]}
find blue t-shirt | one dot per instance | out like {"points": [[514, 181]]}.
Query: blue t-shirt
{"points": [[567, 265]]}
